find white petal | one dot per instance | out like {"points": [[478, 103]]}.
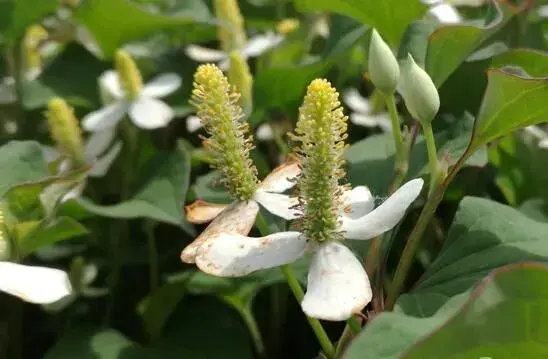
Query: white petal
{"points": [[38, 285], [238, 218], [193, 123], [103, 163], [110, 82], [362, 119], [98, 142], [105, 117], [235, 255], [261, 43], [282, 177], [150, 113], [224, 64], [264, 132], [278, 204], [543, 143], [50, 153], [162, 85], [204, 54], [75, 192], [358, 202], [337, 284], [383, 120], [445, 14], [384, 217], [356, 102]]}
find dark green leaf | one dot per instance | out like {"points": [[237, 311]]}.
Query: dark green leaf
{"points": [[21, 162]]}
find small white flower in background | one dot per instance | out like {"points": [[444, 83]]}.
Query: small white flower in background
{"points": [[539, 134], [361, 114], [254, 47], [338, 285], [264, 132], [130, 96], [445, 10]]}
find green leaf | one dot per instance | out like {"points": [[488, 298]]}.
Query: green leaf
{"points": [[449, 46], [511, 102], [371, 161], [389, 17], [115, 22], [502, 319], [165, 183], [21, 161], [45, 233], [494, 321], [17, 15]]}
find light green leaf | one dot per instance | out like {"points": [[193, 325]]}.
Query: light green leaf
{"points": [[21, 162], [511, 102], [115, 22], [165, 182], [389, 17], [449, 46]]}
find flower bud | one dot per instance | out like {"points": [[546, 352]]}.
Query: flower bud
{"points": [[65, 131], [231, 30], [128, 73], [384, 71], [240, 77], [419, 92]]}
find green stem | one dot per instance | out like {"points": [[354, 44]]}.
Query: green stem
{"points": [[298, 293], [401, 156], [351, 329], [432, 155], [251, 324], [153, 255]]}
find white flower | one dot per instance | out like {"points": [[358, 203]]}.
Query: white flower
{"points": [[145, 110], [338, 285], [539, 134], [239, 216], [39, 285], [361, 112], [97, 153], [264, 132], [256, 46], [444, 12]]}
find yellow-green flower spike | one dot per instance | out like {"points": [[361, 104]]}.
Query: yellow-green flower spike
{"points": [[287, 26], [231, 31], [320, 135], [130, 77], [217, 106], [240, 76], [34, 37], [65, 131]]}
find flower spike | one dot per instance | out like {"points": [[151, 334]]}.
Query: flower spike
{"points": [[130, 77], [217, 106], [231, 31], [320, 134]]}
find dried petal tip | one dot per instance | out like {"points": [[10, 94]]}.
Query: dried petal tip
{"points": [[231, 30], [320, 134], [65, 131], [128, 73], [217, 106], [419, 92], [383, 66]]}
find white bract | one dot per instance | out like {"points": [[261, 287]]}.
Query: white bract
{"points": [[539, 134], [239, 216], [145, 110], [338, 285], [362, 115], [255, 46], [33, 284]]}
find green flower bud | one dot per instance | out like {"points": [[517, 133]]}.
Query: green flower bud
{"points": [[320, 134], [240, 76], [65, 131], [231, 30], [217, 106], [419, 92], [384, 71], [128, 73]]}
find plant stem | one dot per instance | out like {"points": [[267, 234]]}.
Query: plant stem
{"points": [[351, 329], [153, 255], [298, 293], [401, 155], [253, 328], [432, 155]]}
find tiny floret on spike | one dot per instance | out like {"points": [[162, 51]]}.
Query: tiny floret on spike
{"points": [[128, 73], [65, 131], [320, 135], [217, 106]]}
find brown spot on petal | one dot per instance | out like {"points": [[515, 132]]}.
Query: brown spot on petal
{"points": [[238, 217], [202, 212], [287, 171]]}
